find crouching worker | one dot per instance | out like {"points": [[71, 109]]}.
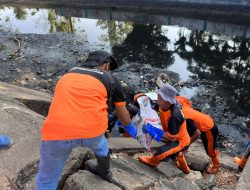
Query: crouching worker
{"points": [[200, 124], [78, 117], [175, 131], [241, 162]]}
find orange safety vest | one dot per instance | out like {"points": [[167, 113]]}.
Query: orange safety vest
{"points": [[78, 109], [183, 101], [182, 135]]}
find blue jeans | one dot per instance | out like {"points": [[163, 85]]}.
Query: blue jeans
{"points": [[53, 155]]}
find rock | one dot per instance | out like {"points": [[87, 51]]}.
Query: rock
{"points": [[124, 85], [152, 172], [179, 184], [127, 177], [211, 180], [45, 84], [75, 161], [5, 183], [203, 184], [206, 107], [227, 162], [196, 156], [248, 124], [193, 175], [169, 169], [220, 188], [84, 180]]}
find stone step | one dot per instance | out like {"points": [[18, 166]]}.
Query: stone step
{"points": [[85, 180], [33, 99], [129, 145]]}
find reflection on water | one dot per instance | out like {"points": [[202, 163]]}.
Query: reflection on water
{"points": [[145, 44], [181, 67], [143, 18], [219, 57], [22, 20], [188, 52]]}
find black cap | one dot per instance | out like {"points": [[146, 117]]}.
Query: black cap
{"points": [[97, 58]]}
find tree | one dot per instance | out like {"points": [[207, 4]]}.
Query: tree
{"points": [[117, 31], [145, 44], [20, 13], [60, 24]]}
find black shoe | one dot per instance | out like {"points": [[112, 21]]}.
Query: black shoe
{"points": [[100, 167]]}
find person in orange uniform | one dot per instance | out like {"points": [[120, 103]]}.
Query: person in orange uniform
{"points": [[175, 131], [241, 162], [200, 124], [78, 117]]}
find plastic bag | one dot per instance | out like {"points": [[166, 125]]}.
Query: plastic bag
{"points": [[145, 115]]}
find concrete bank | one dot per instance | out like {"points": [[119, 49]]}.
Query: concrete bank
{"points": [[244, 182], [235, 11]]}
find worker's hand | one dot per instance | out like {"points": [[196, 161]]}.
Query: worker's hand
{"points": [[130, 128], [153, 131]]}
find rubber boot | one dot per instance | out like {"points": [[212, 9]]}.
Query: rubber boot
{"points": [[240, 162], [182, 164], [149, 160], [215, 164], [100, 167]]}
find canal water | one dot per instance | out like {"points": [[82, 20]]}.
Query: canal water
{"points": [[195, 49]]}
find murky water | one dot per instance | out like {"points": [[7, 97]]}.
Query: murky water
{"points": [[220, 54]]}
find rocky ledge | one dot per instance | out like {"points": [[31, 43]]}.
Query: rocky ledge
{"points": [[18, 167]]}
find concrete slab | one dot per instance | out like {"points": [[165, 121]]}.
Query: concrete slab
{"points": [[244, 182], [19, 162], [20, 93], [124, 177], [121, 144], [128, 178], [5, 183], [35, 100], [152, 172], [84, 180], [169, 169], [179, 183]]}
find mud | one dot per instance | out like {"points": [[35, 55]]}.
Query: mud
{"points": [[38, 61]]}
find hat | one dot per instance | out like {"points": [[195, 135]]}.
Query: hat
{"points": [[97, 58], [168, 93]]}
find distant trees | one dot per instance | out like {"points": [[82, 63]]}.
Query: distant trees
{"points": [[145, 44], [20, 13], [59, 23], [219, 57]]}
